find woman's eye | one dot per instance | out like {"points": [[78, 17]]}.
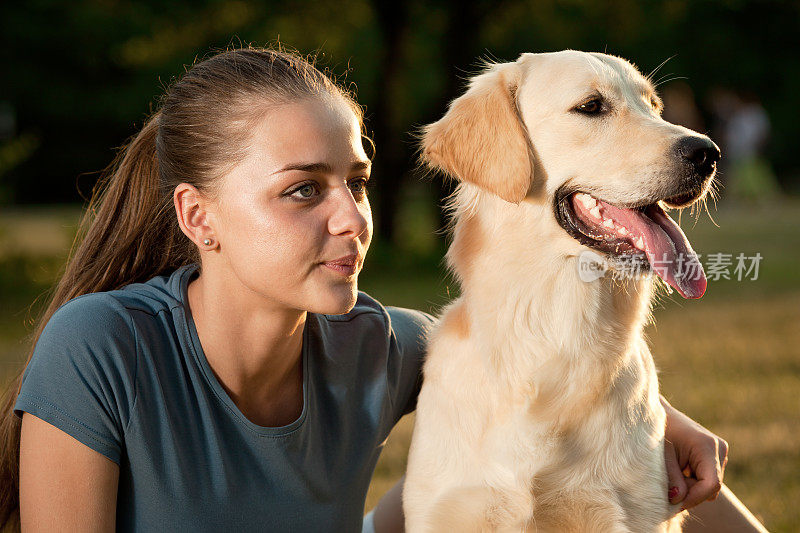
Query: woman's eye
{"points": [[304, 191], [359, 186], [592, 107]]}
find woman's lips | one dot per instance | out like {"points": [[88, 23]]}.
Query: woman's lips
{"points": [[347, 265]]}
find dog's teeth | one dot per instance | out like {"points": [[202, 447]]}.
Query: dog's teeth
{"points": [[607, 222], [587, 201], [622, 231], [639, 243], [595, 211]]}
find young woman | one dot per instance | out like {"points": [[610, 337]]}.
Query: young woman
{"points": [[207, 363]]}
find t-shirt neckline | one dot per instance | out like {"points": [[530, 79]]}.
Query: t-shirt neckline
{"points": [[199, 355]]}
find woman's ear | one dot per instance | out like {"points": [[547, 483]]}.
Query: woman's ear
{"points": [[193, 216], [481, 138]]}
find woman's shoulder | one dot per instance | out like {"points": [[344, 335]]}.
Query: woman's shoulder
{"points": [[152, 296], [120, 322], [95, 312], [94, 330]]}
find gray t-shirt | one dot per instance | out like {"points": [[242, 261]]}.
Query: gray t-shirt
{"points": [[124, 373]]}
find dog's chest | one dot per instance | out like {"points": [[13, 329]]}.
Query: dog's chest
{"points": [[602, 463]]}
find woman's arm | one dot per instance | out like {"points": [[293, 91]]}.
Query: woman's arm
{"points": [[64, 485], [695, 459], [725, 513], [388, 515]]}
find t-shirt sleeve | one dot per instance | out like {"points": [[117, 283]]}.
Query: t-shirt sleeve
{"points": [[81, 377], [408, 339]]}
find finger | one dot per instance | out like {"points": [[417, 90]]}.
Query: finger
{"points": [[722, 455], [707, 486], [690, 482], [677, 484], [723, 447]]}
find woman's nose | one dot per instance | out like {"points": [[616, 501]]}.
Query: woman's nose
{"points": [[348, 216]]}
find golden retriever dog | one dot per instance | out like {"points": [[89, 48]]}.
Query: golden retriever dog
{"points": [[540, 407]]}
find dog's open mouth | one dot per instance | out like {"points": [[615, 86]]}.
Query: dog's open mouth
{"points": [[645, 233]]}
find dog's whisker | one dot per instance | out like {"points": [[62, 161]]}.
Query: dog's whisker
{"points": [[649, 77], [709, 213], [665, 79]]}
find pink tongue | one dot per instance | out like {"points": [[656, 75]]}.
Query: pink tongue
{"points": [[667, 248]]}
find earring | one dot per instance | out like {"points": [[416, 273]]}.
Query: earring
{"points": [[207, 242]]}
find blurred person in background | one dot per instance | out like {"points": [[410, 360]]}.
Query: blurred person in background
{"points": [[745, 131]]}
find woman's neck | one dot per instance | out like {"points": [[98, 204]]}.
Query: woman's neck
{"points": [[254, 349]]}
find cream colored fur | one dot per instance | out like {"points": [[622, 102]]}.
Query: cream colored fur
{"points": [[540, 407]]}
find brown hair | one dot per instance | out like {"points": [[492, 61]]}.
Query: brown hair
{"points": [[130, 232]]}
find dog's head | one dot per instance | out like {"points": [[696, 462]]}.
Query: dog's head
{"points": [[584, 133]]}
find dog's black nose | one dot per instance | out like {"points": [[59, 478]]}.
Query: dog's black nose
{"points": [[701, 153]]}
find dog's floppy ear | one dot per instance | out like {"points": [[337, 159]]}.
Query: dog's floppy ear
{"points": [[481, 138]]}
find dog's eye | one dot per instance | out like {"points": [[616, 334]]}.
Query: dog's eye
{"points": [[591, 107]]}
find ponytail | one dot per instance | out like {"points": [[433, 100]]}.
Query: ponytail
{"points": [[129, 233]]}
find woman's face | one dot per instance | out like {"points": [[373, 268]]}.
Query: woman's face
{"points": [[292, 218]]}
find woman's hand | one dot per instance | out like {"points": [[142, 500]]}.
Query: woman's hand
{"points": [[695, 458]]}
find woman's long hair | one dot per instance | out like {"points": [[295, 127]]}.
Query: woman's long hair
{"points": [[130, 231]]}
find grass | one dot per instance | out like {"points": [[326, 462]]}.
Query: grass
{"points": [[730, 360]]}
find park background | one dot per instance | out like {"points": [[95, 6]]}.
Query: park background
{"points": [[80, 77]]}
